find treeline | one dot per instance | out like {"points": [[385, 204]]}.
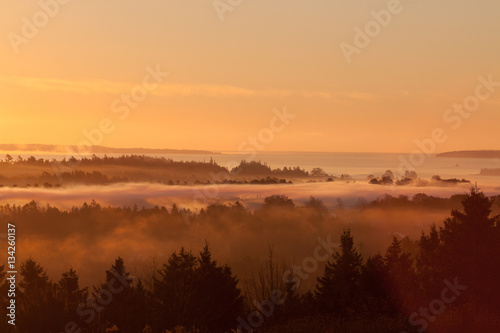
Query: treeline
{"points": [[141, 168], [50, 180], [245, 168], [189, 290], [420, 200], [490, 172], [316, 207], [258, 168], [411, 178], [142, 161], [449, 285]]}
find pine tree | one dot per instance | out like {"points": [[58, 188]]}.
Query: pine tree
{"points": [[470, 239], [175, 290], [217, 295], [36, 300], [401, 279], [429, 262], [69, 296], [373, 277], [124, 309], [338, 289], [196, 292], [69, 292]]}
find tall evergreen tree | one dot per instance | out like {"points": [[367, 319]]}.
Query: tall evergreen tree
{"points": [[217, 295], [175, 290], [37, 309], [338, 289], [373, 281], [69, 292], [470, 239], [126, 307], [401, 283], [429, 262], [197, 292]]}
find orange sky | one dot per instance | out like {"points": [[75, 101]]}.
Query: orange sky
{"points": [[226, 77]]}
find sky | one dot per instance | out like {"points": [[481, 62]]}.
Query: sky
{"points": [[68, 68]]}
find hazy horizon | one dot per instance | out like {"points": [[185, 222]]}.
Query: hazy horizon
{"points": [[209, 151], [357, 139]]}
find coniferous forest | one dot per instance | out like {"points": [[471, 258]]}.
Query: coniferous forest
{"points": [[239, 166], [448, 284]]}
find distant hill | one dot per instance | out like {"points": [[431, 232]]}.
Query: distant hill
{"points": [[471, 154], [58, 149]]}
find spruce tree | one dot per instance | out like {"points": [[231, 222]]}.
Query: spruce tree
{"points": [[338, 289]]}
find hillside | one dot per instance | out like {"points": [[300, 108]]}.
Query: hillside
{"points": [[41, 148], [471, 154]]}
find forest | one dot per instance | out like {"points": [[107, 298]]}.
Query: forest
{"points": [[490, 172], [33, 172], [104, 170], [447, 283]]}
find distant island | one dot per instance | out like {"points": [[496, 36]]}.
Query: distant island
{"points": [[106, 170], [471, 154], [65, 149]]}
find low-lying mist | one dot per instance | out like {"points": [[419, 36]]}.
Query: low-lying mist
{"points": [[89, 238], [197, 197]]}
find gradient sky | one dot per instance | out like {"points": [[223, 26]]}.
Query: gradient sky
{"points": [[226, 77]]}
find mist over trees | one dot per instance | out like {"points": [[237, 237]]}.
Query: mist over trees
{"points": [[449, 283], [27, 172]]}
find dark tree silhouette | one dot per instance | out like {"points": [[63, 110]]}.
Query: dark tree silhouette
{"points": [[38, 310], [175, 290], [196, 292], [317, 206], [469, 240], [401, 283], [430, 269], [318, 172], [278, 201], [69, 292], [338, 289], [217, 295], [126, 306], [373, 279]]}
